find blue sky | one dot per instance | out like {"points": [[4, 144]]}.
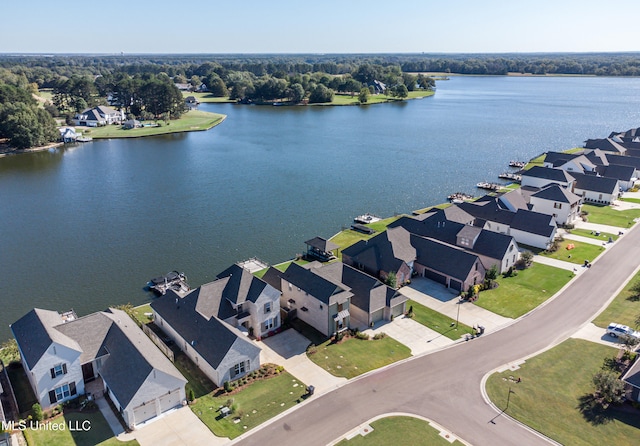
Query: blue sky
{"points": [[330, 26]]}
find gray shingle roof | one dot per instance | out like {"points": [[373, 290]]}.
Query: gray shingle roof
{"points": [[596, 184], [555, 192], [242, 285], [623, 173], [321, 244], [533, 222], [35, 333], [444, 258], [386, 251], [209, 336], [547, 173], [633, 375], [322, 288]]}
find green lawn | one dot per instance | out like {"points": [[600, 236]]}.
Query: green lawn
{"points": [[348, 237], [353, 357], [520, 294], [414, 431], [537, 161], [581, 252], [197, 380], [347, 99], [99, 433], [606, 215], [624, 309], [437, 321], [207, 97], [193, 120], [256, 404], [549, 396], [631, 200], [604, 236], [141, 313]]}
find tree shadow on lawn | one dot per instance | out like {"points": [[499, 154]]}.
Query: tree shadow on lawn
{"points": [[596, 415]]}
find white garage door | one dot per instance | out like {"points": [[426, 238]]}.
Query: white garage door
{"points": [[170, 400], [144, 412]]}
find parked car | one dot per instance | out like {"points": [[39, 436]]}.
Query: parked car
{"points": [[616, 330]]}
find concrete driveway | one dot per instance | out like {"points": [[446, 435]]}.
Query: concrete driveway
{"points": [[288, 349], [414, 335], [599, 335], [177, 428], [437, 297]]}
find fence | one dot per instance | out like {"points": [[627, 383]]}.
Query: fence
{"points": [[159, 342]]}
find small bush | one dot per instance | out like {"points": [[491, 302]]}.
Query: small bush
{"points": [[379, 336], [192, 395], [227, 386], [363, 336], [38, 415]]}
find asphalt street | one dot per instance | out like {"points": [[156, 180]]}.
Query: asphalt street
{"points": [[446, 386]]}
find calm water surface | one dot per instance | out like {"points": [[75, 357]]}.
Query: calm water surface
{"points": [[86, 227]]}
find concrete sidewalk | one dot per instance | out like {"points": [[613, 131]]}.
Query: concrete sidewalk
{"points": [[592, 241], [577, 269], [437, 297], [598, 227]]}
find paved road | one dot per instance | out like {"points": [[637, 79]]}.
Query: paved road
{"points": [[446, 386]]}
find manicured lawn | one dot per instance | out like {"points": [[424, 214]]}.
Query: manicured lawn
{"points": [[520, 294], [631, 200], [353, 357], [21, 387], [284, 265], [549, 396], [197, 380], [348, 237], [191, 121], [427, 209], [347, 99], [256, 404], [624, 309], [604, 236], [437, 321], [141, 313], [207, 97], [537, 161], [606, 215], [414, 431], [581, 252], [99, 432]]}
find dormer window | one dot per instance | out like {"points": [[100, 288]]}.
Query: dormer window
{"points": [[60, 369], [267, 307]]}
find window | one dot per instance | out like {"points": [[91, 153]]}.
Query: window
{"points": [[62, 392], [304, 309], [60, 369], [557, 205], [267, 307], [340, 307], [290, 287], [600, 197], [270, 323], [239, 369], [321, 306]]}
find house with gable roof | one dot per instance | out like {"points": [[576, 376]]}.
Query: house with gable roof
{"points": [[558, 201], [322, 302], [221, 351], [60, 353], [99, 116], [372, 301]]}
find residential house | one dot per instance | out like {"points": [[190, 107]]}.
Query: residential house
{"points": [[539, 176], [60, 353], [191, 102], [632, 378], [596, 189], [453, 267], [387, 252], [98, 116], [372, 301], [221, 351], [558, 201], [131, 124], [493, 248], [318, 301], [611, 145], [624, 174]]}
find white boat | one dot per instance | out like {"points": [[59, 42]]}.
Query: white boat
{"points": [[366, 218]]}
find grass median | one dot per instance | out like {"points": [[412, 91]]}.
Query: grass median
{"points": [[437, 321]]}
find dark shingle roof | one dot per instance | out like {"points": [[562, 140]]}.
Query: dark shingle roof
{"points": [[272, 277], [34, 333], [547, 173], [633, 375], [533, 222], [317, 286], [596, 184], [623, 173], [321, 244], [242, 285], [555, 192], [558, 157], [210, 337], [624, 160], [444, 258], [386, 251]]}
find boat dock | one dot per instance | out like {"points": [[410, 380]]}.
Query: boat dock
{"points": [[171, 281], [489, 186], [518, 164], [366, 218], [511, 176], [459, 197]]}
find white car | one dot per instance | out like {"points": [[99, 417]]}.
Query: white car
{"points": [[616, 330]]}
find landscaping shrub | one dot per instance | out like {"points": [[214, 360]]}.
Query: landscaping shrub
{"points": [[410, 313], [363, 336], [227, 386], [192, 395], [37, 412], [379, 336]]}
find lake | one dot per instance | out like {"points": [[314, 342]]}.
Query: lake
{"points": [[85, 227]]}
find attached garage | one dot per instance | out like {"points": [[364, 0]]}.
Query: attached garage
{"points": [[170, 400], [455, 284], [144, 412], [435, 276], [377, 315], [398, 310]]}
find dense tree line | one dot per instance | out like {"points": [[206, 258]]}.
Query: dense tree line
{"points": [[22, 122]]}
